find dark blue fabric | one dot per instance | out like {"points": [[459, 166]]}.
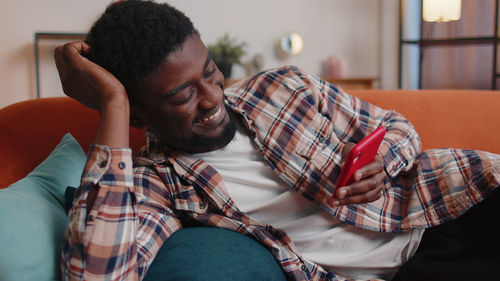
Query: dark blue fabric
{"points": [[69, 195], [209, 253], [461, 250]]}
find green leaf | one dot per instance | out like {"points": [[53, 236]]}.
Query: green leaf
{"points": [[227, 50]]}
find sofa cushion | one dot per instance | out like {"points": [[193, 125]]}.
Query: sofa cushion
{"points": [[33, 218]]}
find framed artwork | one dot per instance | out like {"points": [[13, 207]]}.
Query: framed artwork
{"points": [[46, 76]]}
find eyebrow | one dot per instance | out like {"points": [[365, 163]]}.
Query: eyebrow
{"points": [[186, 84]]}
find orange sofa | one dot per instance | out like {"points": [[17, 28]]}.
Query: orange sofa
{"points": [[443, 118]]}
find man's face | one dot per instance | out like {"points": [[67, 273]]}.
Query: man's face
{"points": [[184, 104]]}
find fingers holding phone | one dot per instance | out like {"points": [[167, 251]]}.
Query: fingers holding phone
{"points": [[366, 186], [362, 175]]}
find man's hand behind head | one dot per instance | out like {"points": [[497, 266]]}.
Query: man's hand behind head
{"points": [[85, 81]]}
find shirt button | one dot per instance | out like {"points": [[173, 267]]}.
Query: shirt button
{"points": [[303, 267], [322, 139], [90, 218], [201, 205], [122, 165], [102, 164]]}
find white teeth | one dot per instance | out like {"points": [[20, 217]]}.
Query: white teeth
{"points": [[213, 115]]}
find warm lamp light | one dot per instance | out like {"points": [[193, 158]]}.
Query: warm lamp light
{"points": [[441, 10]]}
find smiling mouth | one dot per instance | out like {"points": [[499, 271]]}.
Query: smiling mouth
{"points": [[213, 116], [213, 120]]}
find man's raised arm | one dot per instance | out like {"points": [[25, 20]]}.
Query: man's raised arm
{"points": [[353, 118], [95, 87], [100, 241]]}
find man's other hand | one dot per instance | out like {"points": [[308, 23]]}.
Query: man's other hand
{"points": [[367, 184]]}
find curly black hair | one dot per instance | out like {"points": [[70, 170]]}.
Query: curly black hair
{"points": [[132, 38]]}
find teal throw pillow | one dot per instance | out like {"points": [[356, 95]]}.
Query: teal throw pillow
{"points": [[209, 253], [33, 218]]}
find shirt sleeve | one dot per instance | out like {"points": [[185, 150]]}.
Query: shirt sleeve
{"points": [[354, 118], [113, 240]]}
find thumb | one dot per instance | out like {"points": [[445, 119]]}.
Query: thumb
{"points": [[345, 151]]}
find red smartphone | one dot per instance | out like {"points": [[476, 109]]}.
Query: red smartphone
{"points": [[361, 154]]}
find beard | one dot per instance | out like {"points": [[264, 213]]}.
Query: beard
{"points": [[205, 144]]}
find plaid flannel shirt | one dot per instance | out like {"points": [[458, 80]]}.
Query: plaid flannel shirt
{"points": [[299, 124]]}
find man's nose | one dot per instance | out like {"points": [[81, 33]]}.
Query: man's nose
{"points": [[209, 95]]}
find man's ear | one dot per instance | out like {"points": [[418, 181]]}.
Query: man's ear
{"points": [[136, 118]]}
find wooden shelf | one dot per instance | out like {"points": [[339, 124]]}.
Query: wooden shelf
{"points": [[229, 81], [344, 83], [352, 83]]}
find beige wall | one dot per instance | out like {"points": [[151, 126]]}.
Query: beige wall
{"points": [[363, 32]]}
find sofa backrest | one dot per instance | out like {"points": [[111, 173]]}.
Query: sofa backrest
{"points": [[453, 118], [467, 119]]}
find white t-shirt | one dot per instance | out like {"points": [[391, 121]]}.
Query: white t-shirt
{"points": [[321, 238]]}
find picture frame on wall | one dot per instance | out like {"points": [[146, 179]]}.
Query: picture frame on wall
{"points": [[47, 82]]}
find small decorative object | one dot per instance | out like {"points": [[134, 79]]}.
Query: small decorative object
{"points": [[290, 44], [334, 67], [255, 65], [226, 52]]}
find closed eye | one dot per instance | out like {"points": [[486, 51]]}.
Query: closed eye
{"points": [[183, 98], [210, 71]]}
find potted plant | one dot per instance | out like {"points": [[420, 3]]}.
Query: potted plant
{"points": [[226, 52]]}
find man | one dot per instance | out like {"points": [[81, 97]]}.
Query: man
{"points": [[260, 158]]}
